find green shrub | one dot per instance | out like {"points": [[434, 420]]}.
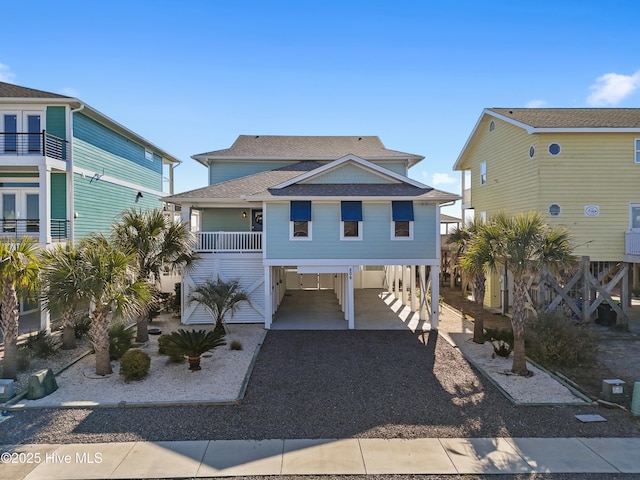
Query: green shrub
{"points": [[553, 340], [41, 344], [134, 365], [120, 340], [24, 358], [501, 339], [193, 343], [235, 345], [168, 348], [174, 302], [81, 326]]}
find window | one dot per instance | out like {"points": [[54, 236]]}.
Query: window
{"points": [[637, 150], [483, 173], [492, 126], [402, 220], [33, 130], [554, 149], [555, 210], [10, 127], [351, 220], [300, 220], [148, 155], [532, 151], [634, 216]]}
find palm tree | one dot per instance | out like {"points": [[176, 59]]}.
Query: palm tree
{"points": [[524, 244], [158, 243], [473, 262], [110, 281], [219, 298], [63, 289], [19, 270], [193, 343]]}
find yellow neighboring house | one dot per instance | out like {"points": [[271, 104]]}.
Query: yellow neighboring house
{"points": [[579, 167]]}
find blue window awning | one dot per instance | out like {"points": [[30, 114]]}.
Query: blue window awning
{"points": [[300, 211], [402, 211], [351, 211]]}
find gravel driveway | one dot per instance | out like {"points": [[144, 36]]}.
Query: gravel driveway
{"points": [[328, 384]]}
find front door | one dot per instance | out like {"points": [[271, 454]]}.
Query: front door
{"points": [[256, 220], [20, 212]]}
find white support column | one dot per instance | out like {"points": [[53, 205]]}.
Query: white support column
{"points": [[185, 214], [412, 289], [44, 196], [339, 289], [388, 271], [435, 294], [345, 296], [405, 281], [268, 307], [423, 292], [45, 320], [396, 282], [351, 316]]}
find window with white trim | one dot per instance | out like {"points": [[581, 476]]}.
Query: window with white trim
{"points": [[300, 220], [148, 155], [555, 149], [637, 156], [634, 217], [351, 220], [402, 220], [483, 173]]}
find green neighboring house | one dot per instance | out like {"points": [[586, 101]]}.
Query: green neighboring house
{"points": [[67, 170]]}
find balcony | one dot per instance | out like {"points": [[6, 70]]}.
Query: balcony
{"points": [[38, 144], [229, 242], [15, 229], [632, 246]]}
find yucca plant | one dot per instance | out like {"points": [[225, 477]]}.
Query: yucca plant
{"points": [[193, 343]]}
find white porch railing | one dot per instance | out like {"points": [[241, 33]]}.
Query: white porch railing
{"points": [[229, 242], [632, 243]]}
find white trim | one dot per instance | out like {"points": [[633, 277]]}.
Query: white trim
{"points": [[299, 239], [401, 239], [123, 183], [292, 262], [636, 150], [633, 205], [351, 158], [351, 239]]}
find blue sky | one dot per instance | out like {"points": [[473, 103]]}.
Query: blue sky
{"points": [[190, 76]]}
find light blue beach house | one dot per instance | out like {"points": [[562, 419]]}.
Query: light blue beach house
{"points": [[289, 213], [67, 170]]}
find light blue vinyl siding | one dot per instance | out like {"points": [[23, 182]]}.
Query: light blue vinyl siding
{"points": [[97, 148], [227, 170], [348, 173], [99, 203], [326, 243], [398, 167], [225, 220]]}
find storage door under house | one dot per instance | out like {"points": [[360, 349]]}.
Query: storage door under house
{"points": [[245, 268]]}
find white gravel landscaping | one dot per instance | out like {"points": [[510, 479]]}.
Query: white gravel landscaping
{"points": [[221, 380]]}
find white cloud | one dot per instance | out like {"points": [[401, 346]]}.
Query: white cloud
{"points": [[6, 75], [536, 104], [69, 92], [612, 88], [443, 179]]}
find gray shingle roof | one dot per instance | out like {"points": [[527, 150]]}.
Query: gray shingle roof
{"points": [[573, 117], [307, 148], [8, 90]]}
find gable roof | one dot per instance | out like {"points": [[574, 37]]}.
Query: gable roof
{"points": [[259, 187], [9, 90], [560, 120], [292, 147]]}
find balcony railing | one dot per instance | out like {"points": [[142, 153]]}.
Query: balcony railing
{"points": [[15, 229], [632, 243], [218, 242], [42, 143]]}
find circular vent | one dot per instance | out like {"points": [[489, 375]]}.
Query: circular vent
{"points": [[554, 149], [555, 210]]}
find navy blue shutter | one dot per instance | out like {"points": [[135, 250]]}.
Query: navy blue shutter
{"points": [[351, 211], [300, 211], [402, 211]]}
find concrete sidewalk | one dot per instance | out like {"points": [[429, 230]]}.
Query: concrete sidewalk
{"points": [[320, 457]]}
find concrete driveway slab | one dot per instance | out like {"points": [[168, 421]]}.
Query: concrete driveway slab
{"points": [[23, 459], [242, 457], [322, 457], [560, 455], [405, 456], [622, 453], [162, 460], [484, 456]]}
